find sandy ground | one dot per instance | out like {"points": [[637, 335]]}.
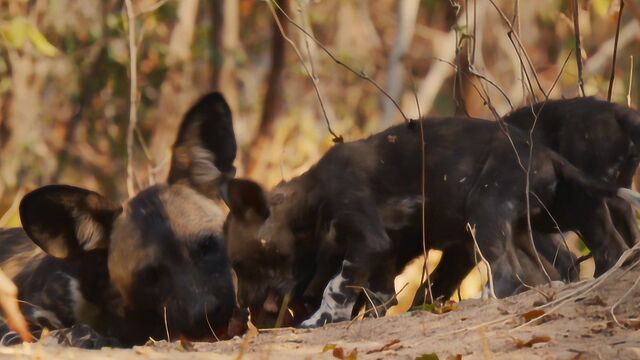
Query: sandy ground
{"points": [[576, 323]]}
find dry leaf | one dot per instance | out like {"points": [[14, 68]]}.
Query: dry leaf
{"points": [[328, 347], [455, 357], [9, 303], [431, 356], [338, 352], [534, 340], [385, 347], [533, 314]]}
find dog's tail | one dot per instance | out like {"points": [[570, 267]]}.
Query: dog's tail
{"points": [[595, 187]]}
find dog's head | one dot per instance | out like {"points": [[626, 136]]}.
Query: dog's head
{"points": [[163, 248], [267, 234]]}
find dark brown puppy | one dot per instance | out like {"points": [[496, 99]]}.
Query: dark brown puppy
{"points": [[600, 138], [129, 272], [358, 209]]}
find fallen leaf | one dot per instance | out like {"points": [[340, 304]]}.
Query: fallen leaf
{"points": [[385, 347], [437, 308], [338, 352], [185, 345], [533, 314], [431, 356], [455, 357], [328, 347], [534, 340]]}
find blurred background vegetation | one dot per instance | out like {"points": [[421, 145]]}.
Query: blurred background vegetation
{"points": [[65, 76]]}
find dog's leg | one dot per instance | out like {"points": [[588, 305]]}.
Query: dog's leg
{"points": [[493, 228], [599, 234], [624, 220], [455, 264], [339, 296], [367, 249]]}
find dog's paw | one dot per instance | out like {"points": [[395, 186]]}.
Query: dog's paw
{"points": [[82, 336], [318, 319]]}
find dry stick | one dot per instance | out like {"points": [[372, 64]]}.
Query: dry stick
{"points": [[472, 231], [630, 80], [624, 296], [615, 52], [336, 138], [581, 291], [524, 51], [166, 324], [528, 173], [133, 113], [395, 296], [423, 150], [360, 74], [284, 307], [576, 30], [206, 317]]}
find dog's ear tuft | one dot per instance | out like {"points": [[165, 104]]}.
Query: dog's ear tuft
{"points": [[244, 196], [205, 148], [66, 221]]}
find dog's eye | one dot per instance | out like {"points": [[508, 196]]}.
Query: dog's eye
{"points": [[208, 245]]}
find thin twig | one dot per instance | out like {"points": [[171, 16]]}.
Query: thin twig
{"points": [[624, 296], [336, 138], [521, 46], [166, 324], [423, 150], [472, 231], [615, 52], [576, 30], [133, 96], [206, 317], [360, 74], [529, 163], [284, 307], [630, 80]]}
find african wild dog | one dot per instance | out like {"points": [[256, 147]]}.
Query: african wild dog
{"points": [[153, 265], [360, 205], [598, 137]]}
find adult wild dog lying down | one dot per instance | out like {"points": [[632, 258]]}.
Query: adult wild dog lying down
{"points": [[598, 137], [360, 206], [129, 270]]}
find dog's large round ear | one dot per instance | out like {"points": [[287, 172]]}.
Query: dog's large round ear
{"points": [[245, 197], [66, 221], [205, 148]]}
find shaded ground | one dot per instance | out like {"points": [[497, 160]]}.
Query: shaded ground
{"points": [[576, 324]]}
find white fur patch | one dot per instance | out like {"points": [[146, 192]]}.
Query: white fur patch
{"points": [[630, 196], [90, 234], [203, 169], [83, 310], [335, 310]]}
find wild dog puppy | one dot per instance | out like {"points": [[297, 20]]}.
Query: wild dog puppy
{"points": [[360, 206], [155, 264], [598, 137]]}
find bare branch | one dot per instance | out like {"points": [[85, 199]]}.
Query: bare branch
{"points": [[133, 96], [615, 52], [630, 80], [360, 74], [576, 28]]}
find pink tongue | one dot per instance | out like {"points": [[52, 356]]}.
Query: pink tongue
{"points": [[271, 302]]}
